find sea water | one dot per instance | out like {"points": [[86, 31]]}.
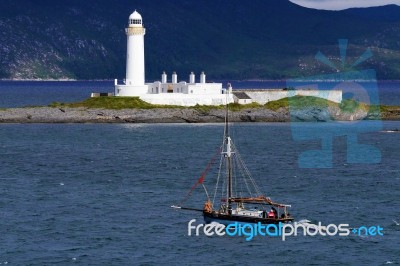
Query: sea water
{"points": [[92, 194], [100, 194]]}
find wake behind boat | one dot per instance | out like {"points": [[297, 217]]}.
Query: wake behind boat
{"points": [[237, 197], [396, 130]]}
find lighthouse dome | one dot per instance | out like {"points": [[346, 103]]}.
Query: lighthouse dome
{"points": [[135, 19]]}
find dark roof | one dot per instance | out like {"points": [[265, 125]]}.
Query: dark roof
{"points": [[241, 95]]}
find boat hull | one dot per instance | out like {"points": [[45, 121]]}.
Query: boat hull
{"points": [[227, 219]]}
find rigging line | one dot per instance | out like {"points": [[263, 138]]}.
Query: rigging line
{"points": [[201, 179], [234, 176], [256, 187], [218, 178], [208, 197], [251, 179], [239, 164], [220, 167], [228, 183], [224, 175], [247, 179], [247, 185]]}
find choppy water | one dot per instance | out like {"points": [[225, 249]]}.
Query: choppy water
{"points": [[91, 194]]}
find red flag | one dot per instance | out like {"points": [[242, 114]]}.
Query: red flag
{"points": [[201, 180]]}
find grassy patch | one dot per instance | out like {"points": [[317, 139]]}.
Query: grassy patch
{"points": [[296, 102], [299, 102], [349, 105], [385, 111], [232, 107], [275, 105], [238, 107], [206, 108], [385, 108], [113, 103], [137, 103]]}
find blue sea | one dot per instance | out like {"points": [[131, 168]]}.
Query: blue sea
{"points": [[100, 194]]}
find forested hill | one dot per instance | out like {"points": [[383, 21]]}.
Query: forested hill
{"points": [[229, 39]]}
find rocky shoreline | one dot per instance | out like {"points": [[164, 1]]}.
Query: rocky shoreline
{"points": [[181, 115]]}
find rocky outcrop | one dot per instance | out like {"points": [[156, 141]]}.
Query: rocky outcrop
{"points": [[178, 115], [156, 115]]}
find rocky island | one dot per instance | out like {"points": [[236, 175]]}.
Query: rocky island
{"points": [[133, 110]]}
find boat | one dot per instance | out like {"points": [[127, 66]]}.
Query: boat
{"points": [[236, 197]]}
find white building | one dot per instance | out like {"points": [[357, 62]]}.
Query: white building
{"points": [[163, 92]]}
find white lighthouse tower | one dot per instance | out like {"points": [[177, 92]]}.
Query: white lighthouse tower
{"points": [[135, 73]]}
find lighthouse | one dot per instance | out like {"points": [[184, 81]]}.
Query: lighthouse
{"points": [[168, 91], [135, 71], [135, 50]]}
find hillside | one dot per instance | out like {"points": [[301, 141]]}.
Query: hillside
{"points": [[268, 39]]}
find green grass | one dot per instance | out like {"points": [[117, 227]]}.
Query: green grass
{"points": [[136, 103], [299, 102], [384, 111], [206, 108], [237, 107], [350, 105], [113, 103], [275, 105], [385, 108], [232, 107], [296, 102]]}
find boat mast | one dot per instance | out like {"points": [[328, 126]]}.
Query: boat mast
{"points": [[228, 152]]}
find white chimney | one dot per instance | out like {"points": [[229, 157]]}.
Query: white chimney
{"points": [[192, 78], [164, 77], [229, 88], [174, 78], [202, 77]]}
